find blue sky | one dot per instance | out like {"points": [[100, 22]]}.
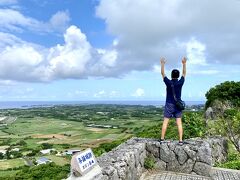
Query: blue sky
{"points": [[110, 50]]}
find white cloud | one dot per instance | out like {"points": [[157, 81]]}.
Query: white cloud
{"points": [[107, 57], [196, 52], [13, 20], [139, 92], [19, 62], [143, 32], [60, 20], [146, 31], [76, 58], [70, 59]]}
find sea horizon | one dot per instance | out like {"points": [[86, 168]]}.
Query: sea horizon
{"points": [[30, 104]]}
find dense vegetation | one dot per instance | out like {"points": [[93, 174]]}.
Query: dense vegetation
{"points": [[193, 125], [106, 147], [228, 126], [227, 119], [226, 91], [46, 171]]}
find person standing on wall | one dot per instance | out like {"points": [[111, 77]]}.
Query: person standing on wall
{"points": [[174, 88]]}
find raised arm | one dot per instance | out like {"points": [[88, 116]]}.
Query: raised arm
{"points": [[162, 61], [184, 61]]}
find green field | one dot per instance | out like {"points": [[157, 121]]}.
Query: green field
{"points": [[11, 163], [65, 127]]}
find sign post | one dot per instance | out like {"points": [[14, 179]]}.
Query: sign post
{"points": [[84, 166]]}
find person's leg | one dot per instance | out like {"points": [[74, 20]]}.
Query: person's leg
{"points": [[180, 129], [164, 127]]}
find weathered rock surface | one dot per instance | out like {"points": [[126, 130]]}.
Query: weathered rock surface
{"points": [[219, 148], [124, 162], [127, 160]]}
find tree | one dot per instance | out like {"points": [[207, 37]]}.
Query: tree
{"points": [[228, 125], [1, 155], [226, 91], [46, 146]]}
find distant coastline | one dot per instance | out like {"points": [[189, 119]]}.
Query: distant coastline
{"points": [[31, 104]]}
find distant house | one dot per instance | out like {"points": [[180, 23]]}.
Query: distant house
{"points": [[15, 149], [43, 160], [3, 151], [46, 151], [107, 126], [71, 152], [102, 113], [58, 154]]}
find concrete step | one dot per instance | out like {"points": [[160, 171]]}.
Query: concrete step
{"points": [[167, 175], [225, 174], [216, 174]]}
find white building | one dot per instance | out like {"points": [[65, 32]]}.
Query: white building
{"points": [[43, 160], [3, 151], [71, 152], [46, 151]]}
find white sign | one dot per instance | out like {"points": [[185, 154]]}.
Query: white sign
{"points": [[86, 160]]}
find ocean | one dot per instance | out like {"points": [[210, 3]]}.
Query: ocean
{"points": [[30, 104]]}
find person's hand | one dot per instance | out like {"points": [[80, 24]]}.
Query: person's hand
{"points": [[162, 61], [184, 60]]}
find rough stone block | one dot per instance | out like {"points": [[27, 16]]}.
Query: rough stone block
{"points": [[202, 169], [153, 149], [204, 154], [190, 153], [181, 154], [161, 165], [166, 154]]}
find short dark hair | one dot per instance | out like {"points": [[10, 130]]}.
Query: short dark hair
{"points": [[175, 74]]}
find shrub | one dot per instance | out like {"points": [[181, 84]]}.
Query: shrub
{"points": [[231, 165], [149, 162], [48, 171], [106, 147], [233, 157], [193, 125]]}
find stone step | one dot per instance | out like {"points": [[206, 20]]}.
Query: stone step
{"points": [[216, 174], [225, 174], [167, 175]]}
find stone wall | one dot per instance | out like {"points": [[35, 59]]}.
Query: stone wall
{"points": [[195, 157], [126, 162]]}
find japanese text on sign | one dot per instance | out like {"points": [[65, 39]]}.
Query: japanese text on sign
{"points": [[86, 160]]}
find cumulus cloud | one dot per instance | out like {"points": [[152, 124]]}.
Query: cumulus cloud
{"points": [[206, 31], [13, 20], [139, 93], [76, 58], [143, 33]]}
